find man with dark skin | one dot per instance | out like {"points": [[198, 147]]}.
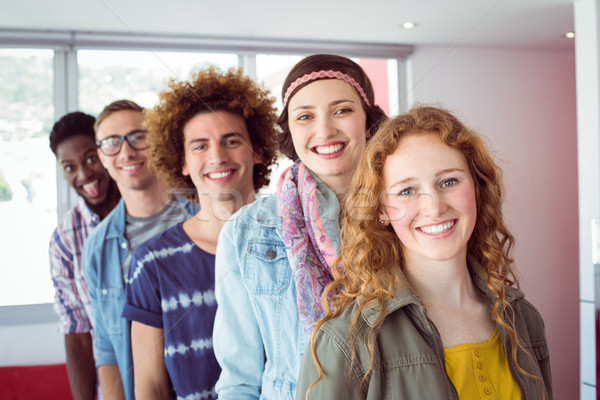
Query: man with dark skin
{"points": [[73, 142]]}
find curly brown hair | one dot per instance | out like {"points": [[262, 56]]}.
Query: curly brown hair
{"points": [[211, 90], [371, 251], [315, 63]]}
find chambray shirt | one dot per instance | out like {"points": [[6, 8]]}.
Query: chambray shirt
{"points": [[258, 339], [103, 255]]}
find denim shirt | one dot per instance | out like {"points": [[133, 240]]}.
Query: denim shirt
{"points": [[104, 252], [258, 339]]}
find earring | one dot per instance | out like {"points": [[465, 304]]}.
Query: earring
{"points": [[384, 222]]}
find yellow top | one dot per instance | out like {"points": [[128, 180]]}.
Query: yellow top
{"points": [[480, 370]]}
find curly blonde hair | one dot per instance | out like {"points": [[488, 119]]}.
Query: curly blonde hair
{"points": [[211, 90], [371, 251]]}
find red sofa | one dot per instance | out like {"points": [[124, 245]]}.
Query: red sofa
{"points": [[48, 382]]}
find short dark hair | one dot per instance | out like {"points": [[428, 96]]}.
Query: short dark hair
{"points": [[71, 124], [118, 105], [315, 63]]}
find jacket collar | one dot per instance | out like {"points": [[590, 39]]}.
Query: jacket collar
{"points": [[117, 217], [479, 276], [404, 295]]}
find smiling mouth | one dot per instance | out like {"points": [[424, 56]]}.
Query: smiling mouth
{"points": [[437, 229], [219, 174], [330, 149], [131, 167]]}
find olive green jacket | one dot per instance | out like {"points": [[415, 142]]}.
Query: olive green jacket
{"points": [[409, 355]]}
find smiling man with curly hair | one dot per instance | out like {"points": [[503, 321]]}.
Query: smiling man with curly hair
{"points": [[214, 138]]}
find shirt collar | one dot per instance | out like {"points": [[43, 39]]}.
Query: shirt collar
{"points": [[88, 215]]}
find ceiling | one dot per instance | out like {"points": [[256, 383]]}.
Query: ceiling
{"points": [[527, 24]]}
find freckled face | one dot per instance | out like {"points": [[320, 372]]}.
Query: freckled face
{"points": [[429, 197]]}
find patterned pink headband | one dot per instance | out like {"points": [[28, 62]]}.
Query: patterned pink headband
{"points": [[324, 74]]}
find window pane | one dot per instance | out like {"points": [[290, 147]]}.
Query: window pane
{"points": [[271, 70], [105, 76], [27, 175], [383, 75]]}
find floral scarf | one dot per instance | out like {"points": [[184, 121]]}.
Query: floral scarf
{"points": [[308, 212]]}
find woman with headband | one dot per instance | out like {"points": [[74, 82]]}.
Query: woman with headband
{"points": [[274, 257]]}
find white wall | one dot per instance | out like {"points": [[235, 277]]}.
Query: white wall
{"points": [[524, 102]]}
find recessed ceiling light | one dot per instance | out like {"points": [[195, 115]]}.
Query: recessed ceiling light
{"points": [[570, 35], [408, 25]]}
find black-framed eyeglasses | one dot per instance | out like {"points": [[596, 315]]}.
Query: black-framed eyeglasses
{"points": [[111, 146]]}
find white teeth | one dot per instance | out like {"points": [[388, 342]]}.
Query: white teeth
{"points": [[436, 229], [219, 175], [90, 185], [130, 167], [329, 149]]}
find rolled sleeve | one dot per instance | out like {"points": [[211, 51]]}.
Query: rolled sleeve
{"points": [[142, 299]]}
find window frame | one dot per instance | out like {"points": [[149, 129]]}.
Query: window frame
{"points": [[65, 45]]}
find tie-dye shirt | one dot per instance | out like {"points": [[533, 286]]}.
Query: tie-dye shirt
{"points": [[171, 286]]}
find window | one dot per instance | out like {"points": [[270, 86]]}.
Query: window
{"points": [[27, 175], [87, 71], [271, 70], [105, 76], [383, 74]]}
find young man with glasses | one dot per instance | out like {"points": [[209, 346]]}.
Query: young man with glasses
{"points": [[72, 141], [146, 209]]}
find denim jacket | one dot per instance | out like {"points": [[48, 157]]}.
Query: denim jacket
{"points": [[104, 252], [258, 339]]}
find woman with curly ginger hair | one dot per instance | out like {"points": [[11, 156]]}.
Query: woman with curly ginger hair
{"points": [[426, 307], [215, 134]]}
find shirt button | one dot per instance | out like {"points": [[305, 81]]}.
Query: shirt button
{"points": [[271, 253], [487, 390], [104, 292], [480, 364], [124, 245], [482, 378], [478, 352]]}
